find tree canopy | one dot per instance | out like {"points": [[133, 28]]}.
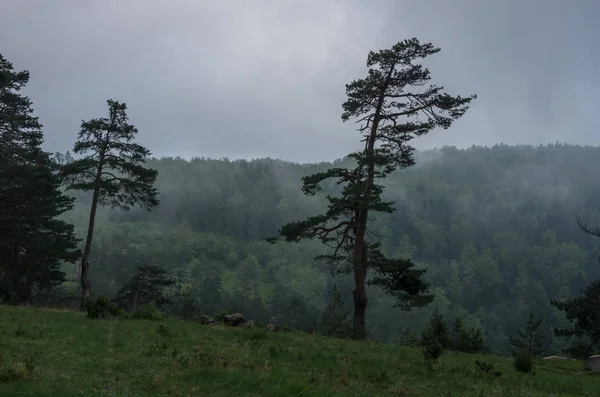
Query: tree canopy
{"points": [[34, 242]]}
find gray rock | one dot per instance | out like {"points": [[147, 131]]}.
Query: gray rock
{"points": [[277, 328], [274, 327], [592, 364], [235, 319], [207, 320], [249, 324], [554, 358]]}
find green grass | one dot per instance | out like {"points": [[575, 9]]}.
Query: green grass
{"points": [[54, 353]]}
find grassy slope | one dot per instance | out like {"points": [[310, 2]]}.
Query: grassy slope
{"points": [[75, 356]]}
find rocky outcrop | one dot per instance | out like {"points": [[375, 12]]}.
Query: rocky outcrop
{"points": [[234, 320]]}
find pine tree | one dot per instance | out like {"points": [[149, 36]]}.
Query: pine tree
{"points": [[529, 340], [435, 338], [458, 334], [210, 286], [111, 168], [147, 286], [388, 108], [584, 312], [33, 241], [335, 321]]}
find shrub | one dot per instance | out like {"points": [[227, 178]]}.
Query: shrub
{"points": [[432, 351], [188, 306], [162, 330], [17, 370], [335, 318], [148, 312], [523, 362], [474, 342], [434, 338], [579, 348], [220, 316], [101, 307], [487, 368]]}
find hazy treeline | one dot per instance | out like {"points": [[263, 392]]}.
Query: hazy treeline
{"points": [[495, 227]]}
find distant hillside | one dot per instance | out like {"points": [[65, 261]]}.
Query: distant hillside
{"points": [[494, 226]]}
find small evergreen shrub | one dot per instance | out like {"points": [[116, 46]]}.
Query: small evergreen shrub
{"points": [[523, 362], [474, 342], [434, 338], [148, 312], [335, 319], [487, 368], [220, 316], [189, 307], [162, 330], [579, 348], [101, 307]]}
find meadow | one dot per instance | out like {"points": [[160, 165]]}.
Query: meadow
{"points": [[47, 352]]}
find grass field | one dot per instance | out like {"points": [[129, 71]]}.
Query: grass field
{"points": [[63, 354]]}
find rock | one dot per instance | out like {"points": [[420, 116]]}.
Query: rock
{"points": [[592, 364], [234, 319], [249, 324], [207, 320], [554, 358], [274, 328]]}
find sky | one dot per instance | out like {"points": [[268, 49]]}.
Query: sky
{"points": [[266, 78]]}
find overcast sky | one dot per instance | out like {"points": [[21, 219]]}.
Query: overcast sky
{"points": [[257, 78]]}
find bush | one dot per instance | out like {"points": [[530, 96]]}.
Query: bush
{"points": [[335, 318], [432, 351], [487, 368], [18, 370], [474, 342], [188, 306], [434, 338], [579, 348], [101, 307], [148, 312], [523, 362], [220, 316]]}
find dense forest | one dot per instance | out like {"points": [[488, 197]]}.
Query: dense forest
{"points": [[495, 227]]}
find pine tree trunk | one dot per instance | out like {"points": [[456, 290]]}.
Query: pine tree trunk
{"points": [[360, 255], [359, 329], [86, 288]]}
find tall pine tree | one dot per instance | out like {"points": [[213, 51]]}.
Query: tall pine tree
{"points": [[111, 167], [393, 108], [33, 241]]}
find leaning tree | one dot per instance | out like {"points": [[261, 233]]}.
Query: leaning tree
{"points": [[392, 105]]}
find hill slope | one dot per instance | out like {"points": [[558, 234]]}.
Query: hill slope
{"points": [[70, 355]]}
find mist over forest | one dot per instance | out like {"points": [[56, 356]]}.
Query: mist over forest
{"points": [[495, 227]]}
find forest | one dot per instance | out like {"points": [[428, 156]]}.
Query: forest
{"points": [[495, 227], [485, 234]]}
